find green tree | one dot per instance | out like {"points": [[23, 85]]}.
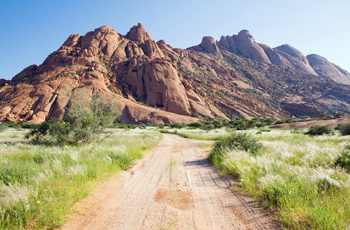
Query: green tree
{"points": [[85, 120]]}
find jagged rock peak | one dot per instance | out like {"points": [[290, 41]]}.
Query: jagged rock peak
{"points": [[210, 46], [139, 34], [207, 45]]}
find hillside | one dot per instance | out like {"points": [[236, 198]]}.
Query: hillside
{"points": [[153, 82]]}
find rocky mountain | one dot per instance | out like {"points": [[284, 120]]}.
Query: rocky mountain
{"points": [[154, 82]]}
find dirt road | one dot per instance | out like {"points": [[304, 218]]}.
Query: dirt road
{"points": [[173, 187]]}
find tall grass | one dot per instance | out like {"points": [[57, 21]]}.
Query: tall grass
{"points": [[296, 176], [39, 184]]}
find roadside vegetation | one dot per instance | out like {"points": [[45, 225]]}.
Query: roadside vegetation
{"points": [[303, 175], [303, 178], [46, 168], [39, 183]]}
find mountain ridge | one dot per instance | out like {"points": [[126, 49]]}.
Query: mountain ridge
{"points": [[154, 82]]}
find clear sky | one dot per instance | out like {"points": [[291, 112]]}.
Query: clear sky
{"points": [[31, 30]]}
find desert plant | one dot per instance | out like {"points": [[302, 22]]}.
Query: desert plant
{"points": [[318, 130], [261, 124], [82, 122], [177, 125], [339, 115], [322, 115], [28, 125], [344, 129], [344, 160], [280, 122], [208, 127], [269, 121], [240, 124], [338, 127], [240, 141], [2, 127], [217, 123], [195, 124], [142, 126]]}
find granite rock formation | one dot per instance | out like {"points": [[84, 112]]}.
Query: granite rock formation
{"points": [[154, 82]]}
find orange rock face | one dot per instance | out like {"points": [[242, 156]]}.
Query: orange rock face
{"points": [[153, 82]]}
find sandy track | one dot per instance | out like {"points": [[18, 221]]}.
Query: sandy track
{"points": [[173, 187]]}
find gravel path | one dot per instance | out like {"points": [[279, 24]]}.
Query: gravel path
{"points": [[173, 187]]}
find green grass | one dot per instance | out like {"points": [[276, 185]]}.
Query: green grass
{"points": [[39, 184], [295, 176]]}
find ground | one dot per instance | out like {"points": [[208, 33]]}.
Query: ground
{"points": [[172, 187]]}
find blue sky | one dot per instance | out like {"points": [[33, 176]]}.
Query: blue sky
{"points": [[31, 30]]}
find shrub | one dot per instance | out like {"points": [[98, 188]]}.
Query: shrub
{"points": [[208, 127], [345, 129], [339, 115], [240, 124], [280, 122], [344, 160], [290, 120], [261, 124], [217, 124], [269, 121], [2, 127], [240, 141], [141, 126], [82, 121], [28, 125], [11, 124], [161, 126], [39, 132], [318, 130], [339, 126], [195, 124], [322, 115], [177, 125]]}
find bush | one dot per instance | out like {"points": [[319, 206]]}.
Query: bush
{"points": [[344, 129], [208, 127], [240, 141], [82, 121], [2, 127], [11, 124], [142, 126], [28, 125], [322, 115], [161, 126], [280, 122], [177, 125], [339, 126], [217, 124], [195, 124], [261, 124], [339, 115], [344, 160], [269, 121], [41, 131], [240, 124], [290, 120], [318, 130]]}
